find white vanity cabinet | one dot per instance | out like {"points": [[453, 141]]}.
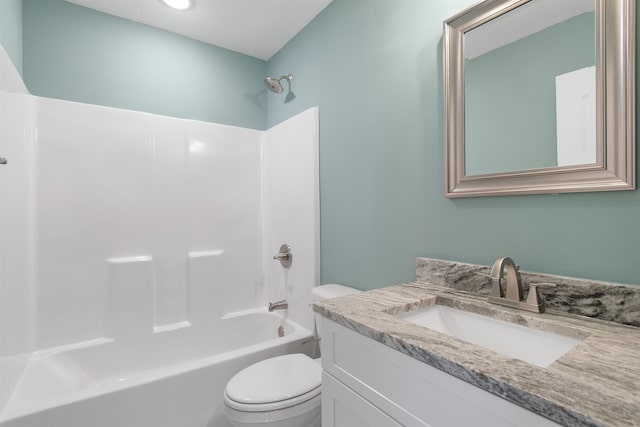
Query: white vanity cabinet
{"points": [[367, 384]]}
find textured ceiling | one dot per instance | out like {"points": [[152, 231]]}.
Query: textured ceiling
{"points": [[257, 28]]}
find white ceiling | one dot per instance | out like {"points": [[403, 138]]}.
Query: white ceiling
{"points": [[257, 28]]}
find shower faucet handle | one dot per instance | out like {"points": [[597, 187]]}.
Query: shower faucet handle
{"points": [[3, 161], [285, 256]]}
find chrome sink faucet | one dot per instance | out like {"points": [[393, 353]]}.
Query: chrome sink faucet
{"points": [[507, 287]]}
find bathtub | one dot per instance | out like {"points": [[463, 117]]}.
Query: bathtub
{"points": [[169, 379]]}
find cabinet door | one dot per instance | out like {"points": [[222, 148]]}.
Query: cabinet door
{"points": [[341, 407]]}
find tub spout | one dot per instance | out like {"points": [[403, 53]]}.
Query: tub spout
{"points": [[278, 305]]}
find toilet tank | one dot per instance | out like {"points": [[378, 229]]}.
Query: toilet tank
{"points": [[333, 290]]}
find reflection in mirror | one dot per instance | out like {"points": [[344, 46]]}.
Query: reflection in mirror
{"points": [[540, 97], [539, 57]]}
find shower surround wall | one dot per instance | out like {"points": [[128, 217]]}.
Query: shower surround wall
{"points": [[291, 213], [120, 223], [143, 222], [16, 293]]}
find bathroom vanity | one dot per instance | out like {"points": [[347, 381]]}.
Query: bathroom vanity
{"points": [[366, 383], [381, 368]]}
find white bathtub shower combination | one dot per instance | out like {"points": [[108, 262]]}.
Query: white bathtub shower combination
{"points": [[136, 260]]}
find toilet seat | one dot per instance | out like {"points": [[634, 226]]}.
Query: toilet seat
{"points": [[274, 384], [272, 406]]}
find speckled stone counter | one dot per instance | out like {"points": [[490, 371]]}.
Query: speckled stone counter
{"points": [[595, 384], [601, 300]]}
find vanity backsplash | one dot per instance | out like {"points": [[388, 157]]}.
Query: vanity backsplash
{"points": [[601, 300]]}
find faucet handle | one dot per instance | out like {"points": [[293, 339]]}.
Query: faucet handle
{"points": [[496, 284], [533, 298], [285, 255]]}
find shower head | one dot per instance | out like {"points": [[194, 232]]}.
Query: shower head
{"points": [[274, 84]]}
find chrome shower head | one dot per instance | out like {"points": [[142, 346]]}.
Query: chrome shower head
{"points": [[274, 84]]}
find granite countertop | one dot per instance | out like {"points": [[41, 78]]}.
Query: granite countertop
{"points": [[595, 384]]}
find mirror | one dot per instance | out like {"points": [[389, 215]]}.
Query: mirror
{"points": [[540, 97]]}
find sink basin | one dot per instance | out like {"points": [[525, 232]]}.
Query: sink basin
{"points": [[530, 345]]}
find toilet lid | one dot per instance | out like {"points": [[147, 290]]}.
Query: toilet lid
{"points": [[276, 379]]}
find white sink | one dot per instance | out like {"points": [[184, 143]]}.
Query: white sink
{"points": [[530, 345]]}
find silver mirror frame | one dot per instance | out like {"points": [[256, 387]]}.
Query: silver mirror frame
{"points": [[615, 93]]}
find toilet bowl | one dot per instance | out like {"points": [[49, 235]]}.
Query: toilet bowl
{"points": [[280, 391], [283, 391]]}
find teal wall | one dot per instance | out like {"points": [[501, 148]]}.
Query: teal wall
{"points": [[11, 30], [77, 54], [374, 67], [501, 138]]}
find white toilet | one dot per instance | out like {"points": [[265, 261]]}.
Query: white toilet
{"points": [[282, 391]]}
